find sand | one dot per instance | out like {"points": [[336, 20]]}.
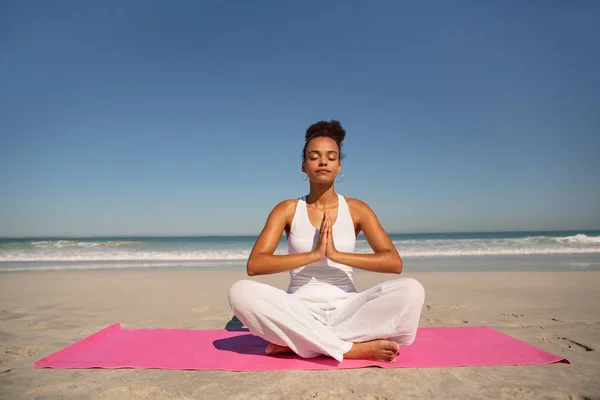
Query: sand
{"points": [[42, 312]]}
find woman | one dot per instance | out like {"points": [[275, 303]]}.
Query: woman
{"points": [[321, 312]]}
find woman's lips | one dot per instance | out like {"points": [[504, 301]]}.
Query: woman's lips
{"points": [[322, 171]]}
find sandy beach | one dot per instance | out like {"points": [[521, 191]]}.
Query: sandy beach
{"points": [[42, 312]]}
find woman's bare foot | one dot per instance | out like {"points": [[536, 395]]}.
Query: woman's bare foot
{"points": [[274, 349], [376, 350]]}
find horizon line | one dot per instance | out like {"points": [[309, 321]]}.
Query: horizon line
{"points": [[189, 235]]}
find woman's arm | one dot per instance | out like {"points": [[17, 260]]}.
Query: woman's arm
{"points": [[262, 261], [385, 257]]}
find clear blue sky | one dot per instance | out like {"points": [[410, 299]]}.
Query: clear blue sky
{"points": [[188, 117]]}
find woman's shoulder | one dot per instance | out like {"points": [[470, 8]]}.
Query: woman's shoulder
{"points": [[358, 208], [287, 203], [284, 211], [285, 207], [356, 203]]}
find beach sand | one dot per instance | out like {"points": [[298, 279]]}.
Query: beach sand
{"points": [[42, 312]]}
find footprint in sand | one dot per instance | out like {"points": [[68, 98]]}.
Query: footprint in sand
{"points": [[18, 353], [520, 393], [512, 315], [518, 325], [564, 342], [432, 321], [572, 343], [332, 394]]}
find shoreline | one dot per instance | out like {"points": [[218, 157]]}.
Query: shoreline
{"points": [[241, 270], [514, 263]]}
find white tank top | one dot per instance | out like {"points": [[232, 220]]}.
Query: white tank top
{"points": [[324, 281]]}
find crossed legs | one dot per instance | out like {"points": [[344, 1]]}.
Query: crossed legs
{"points": [[370, 324]]}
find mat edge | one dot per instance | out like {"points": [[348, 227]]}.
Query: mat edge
{"points": [[109, 329]]}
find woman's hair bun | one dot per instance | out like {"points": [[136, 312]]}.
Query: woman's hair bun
{"points": [[332, 129]]}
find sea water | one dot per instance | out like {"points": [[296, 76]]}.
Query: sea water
{"points": [[475, 251]]}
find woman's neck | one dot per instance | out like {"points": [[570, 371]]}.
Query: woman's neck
{"points": [[322, 196]]}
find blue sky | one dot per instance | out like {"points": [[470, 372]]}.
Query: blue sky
{"points": [[188, 117]]}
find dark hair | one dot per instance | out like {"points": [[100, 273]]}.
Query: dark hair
{"points": [[332, 129]]}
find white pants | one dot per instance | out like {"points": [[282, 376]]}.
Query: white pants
{"points": [[390, 310]]}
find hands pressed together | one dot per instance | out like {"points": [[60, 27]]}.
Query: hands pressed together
{"points": [[325, 246]]}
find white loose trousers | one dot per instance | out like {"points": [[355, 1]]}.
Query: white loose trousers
{"points": [[389, 310]]}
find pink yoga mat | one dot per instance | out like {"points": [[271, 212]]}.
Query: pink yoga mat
{"points": [[115, 347]]}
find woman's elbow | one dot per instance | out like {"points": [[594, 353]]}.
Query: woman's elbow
{"points": [[397, 265], [250, 268]]}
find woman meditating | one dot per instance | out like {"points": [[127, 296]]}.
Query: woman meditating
{"points": [[321, 313]]}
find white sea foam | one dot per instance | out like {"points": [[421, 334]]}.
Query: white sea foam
{"points": [[126, 256], [61, 244], [143, 251], [580, 238], [88, 256], [16, 267], [194, 251], [494, 252], [533, 245]]}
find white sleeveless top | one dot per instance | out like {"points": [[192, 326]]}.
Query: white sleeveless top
{"points": [[322, 282]]}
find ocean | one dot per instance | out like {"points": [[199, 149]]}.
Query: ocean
{"points": [[475, 251]]}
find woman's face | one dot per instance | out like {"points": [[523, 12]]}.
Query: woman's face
{"points": [[322, 160]]}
